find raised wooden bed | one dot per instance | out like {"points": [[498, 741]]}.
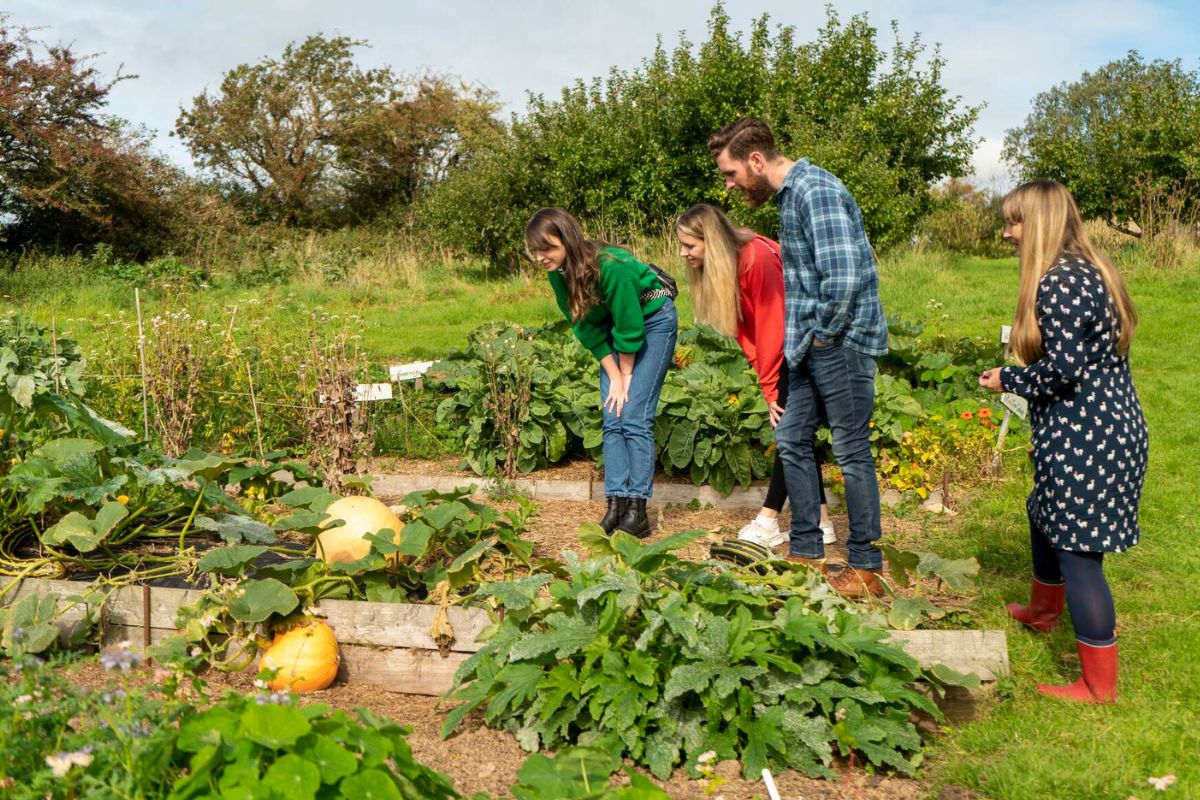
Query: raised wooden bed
{"points": [[388, 644]]}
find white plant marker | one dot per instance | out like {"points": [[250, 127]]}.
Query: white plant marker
{"points": [[770, 782]]}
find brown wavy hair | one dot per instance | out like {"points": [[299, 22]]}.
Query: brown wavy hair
{"points": [[1051, 226], [581, 269]]}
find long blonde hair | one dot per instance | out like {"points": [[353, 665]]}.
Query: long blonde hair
{"points": [[716, 298], [581, 269], [1051, 227]]}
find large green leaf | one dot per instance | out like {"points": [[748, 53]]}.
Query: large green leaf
{"points": [[681, 443], [83, 533], [293, 777], [60, 450], [262, 598], [273, 726], [370, 784], [235, 529], [230, 561]]}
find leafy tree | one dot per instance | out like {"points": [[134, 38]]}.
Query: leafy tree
{"points": [[1127, 131], [628, 152], [69, 175], [315, 138]]}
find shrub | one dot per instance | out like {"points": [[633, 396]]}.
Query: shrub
{"points": [[621, 153]]}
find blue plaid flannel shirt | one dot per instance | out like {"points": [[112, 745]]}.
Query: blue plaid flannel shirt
{"points": [[831, 286]]}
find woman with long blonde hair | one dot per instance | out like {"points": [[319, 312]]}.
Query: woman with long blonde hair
{"points": [[1070, 338], [736, 280], [623, 313]]}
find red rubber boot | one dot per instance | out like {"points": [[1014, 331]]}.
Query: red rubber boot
{"points": [[1045, 606], [1099, 681]]}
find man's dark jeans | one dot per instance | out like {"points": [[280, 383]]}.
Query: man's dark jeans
{"points": [[844, 381]]}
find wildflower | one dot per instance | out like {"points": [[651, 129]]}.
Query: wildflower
{"points": [[18, 635], [985, 413], [1161, 784], [60, 763], [110, 697], [966, 415], [840, 714], [123, 499], [734, 401], [122, 658], [705, 757], [987, 423]]}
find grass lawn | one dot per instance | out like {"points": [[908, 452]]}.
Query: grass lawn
{"points": [[1025, 746]]}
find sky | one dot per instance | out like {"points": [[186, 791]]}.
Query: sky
{"points": [[998, 52]]}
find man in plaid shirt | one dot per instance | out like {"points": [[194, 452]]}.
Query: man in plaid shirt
{"points": [[834, 330]]}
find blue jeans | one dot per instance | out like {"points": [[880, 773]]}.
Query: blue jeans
{"points": [[629, 454], [843, 380]]}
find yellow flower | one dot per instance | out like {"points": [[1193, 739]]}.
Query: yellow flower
{"points": [[734, 401], [123, 499]]}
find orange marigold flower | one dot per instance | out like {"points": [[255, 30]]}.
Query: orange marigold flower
{"points": [[988, 423], [985, 413], [967, 415]]}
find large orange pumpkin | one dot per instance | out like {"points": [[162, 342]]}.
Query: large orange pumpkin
{"points": [[306, 658], [362, 515]]}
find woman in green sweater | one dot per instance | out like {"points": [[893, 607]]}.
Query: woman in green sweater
{"points": [[623, 314]]}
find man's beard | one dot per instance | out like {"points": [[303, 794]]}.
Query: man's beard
{"points": [[758, 192]]}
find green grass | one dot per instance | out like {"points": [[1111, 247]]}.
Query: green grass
{"points": [[1025, 746], [405, 317]]}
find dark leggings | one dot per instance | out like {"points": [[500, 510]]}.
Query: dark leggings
{"points": [[1088, 595], [777, 489]]}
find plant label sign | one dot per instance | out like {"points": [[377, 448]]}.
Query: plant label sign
{"points": [[408, 372], [1005, 333], [1015, 403], [367, 392]]}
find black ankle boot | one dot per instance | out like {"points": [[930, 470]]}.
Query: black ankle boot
{"points": [[616, 509], [634, 521]]}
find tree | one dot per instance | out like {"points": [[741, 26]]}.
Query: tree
{"points": [[405, 146], [68, 175], [316, 139], [1124, 133], [628, 153]]}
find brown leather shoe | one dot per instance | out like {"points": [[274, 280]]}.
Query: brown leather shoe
{"points": [[851, 582], [816, 563]]}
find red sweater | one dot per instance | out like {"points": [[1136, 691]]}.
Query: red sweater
{"points": [[760, 330]]}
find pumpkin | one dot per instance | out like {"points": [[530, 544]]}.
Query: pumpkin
{"points": [[362, 515], [305, 657]]}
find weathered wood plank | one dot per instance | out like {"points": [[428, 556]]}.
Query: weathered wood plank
{"points": [[983, 652], [123, 606], [400, 669], [400, 624]]}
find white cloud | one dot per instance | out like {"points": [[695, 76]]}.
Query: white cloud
{"points": [[998, 53]]}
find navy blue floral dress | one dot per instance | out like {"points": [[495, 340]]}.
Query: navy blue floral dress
{"points": [[1089, 436]]}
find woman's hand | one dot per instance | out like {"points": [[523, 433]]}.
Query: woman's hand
{"points": [[776, 412], [991, 380], [618, 394], [618, 383]]}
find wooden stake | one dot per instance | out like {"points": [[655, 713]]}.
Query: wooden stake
{"points": [[54, 346], [137, 301], [254, 407]]}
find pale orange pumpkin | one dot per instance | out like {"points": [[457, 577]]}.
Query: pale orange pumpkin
{"points": [[305, 657], [362, 515]]}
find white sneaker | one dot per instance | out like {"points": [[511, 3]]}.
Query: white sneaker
{"points": [[829, 536], [762, 532]]}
